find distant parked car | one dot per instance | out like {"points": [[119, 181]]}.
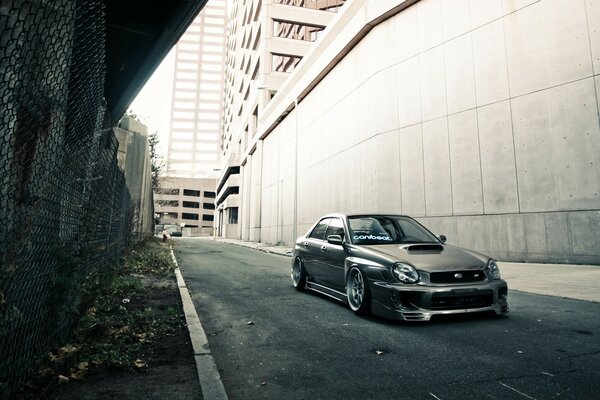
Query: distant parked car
{"points": [[176, 234], [394, 267]]}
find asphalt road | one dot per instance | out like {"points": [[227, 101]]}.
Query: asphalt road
{"points": [[272, 342]]}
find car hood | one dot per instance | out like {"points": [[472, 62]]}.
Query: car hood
{"points": [[432, 257]]}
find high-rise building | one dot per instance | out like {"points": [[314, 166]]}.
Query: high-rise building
{"points": [[186, 194], [266, 39], [196, 112]]}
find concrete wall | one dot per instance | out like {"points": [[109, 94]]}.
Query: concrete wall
{"points": [[134, 159], [478, 118]]}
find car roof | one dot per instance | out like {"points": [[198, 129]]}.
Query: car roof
{"points": [[343, 215]]}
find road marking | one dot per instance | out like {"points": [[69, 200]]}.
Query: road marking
{"points": [[546, 373], [434, 396], [516, 391]]}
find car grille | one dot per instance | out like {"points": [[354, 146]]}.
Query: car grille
{"points": [[450, 301], [457, 277]]}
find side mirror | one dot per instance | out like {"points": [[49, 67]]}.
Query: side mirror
{"points": [[442, 238], [335, 239]]}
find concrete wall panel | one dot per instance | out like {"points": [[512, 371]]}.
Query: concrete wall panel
{"points": [[378, 50], [510, 6], [535, 233], [465, 163], [593, 21], [460, 76], [346, 120], [409, 93], [499, 179], [557, 139], [429, 24], [473, 233], [386, 86], [455, 18], [558, 236], [585, 232], [432, 78], [498, 234], [412, 170], [438, 185], [491, 76], [484, 12], [386, 164], [515, 226], [557, 51], [407, 41]]}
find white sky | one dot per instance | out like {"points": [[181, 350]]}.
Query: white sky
{"points": [[153, 103]]}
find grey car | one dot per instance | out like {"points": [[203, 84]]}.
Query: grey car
{"points": [[393, 267]]}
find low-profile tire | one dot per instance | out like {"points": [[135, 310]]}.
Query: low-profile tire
{"points": [[298, 275], [358, 293]]}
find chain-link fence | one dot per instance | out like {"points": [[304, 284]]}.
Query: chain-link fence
{"points": [[64, 206]]}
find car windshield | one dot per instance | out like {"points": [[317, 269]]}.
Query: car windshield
{"points": [[388, 229]]}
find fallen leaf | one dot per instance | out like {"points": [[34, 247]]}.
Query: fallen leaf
{"points": [[263, 383], [139, 363], [520, 352], [379, 352], [82, 366], [125, 301], [68, 349], [77, 374], [62, 380], [250, 323], [46, 372]]}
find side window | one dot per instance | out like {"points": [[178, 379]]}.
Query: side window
{"points": [[319, 231], [336, 227]]}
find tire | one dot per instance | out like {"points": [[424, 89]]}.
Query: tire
{"points": [[358, 293], [298, 275]]}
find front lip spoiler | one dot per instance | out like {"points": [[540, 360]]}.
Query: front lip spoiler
{"points": [[425, 315]]}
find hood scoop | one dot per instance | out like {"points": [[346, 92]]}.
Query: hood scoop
{"points": [[422, 247]]}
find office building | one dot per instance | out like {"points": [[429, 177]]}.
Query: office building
{"points": [[196, 112], [266, 40]]}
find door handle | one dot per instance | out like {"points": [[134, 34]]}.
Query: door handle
{"points": [[323, 248]]}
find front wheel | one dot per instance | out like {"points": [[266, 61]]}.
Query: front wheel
{"points": [[298, 275], [357, 292]]}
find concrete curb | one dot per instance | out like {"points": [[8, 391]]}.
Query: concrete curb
{"points": [[211, 383]]}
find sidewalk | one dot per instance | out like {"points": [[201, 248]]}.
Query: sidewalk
{"points": [[579, 282]]}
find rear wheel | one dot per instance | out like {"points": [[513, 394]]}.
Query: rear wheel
{"points": [[357, 292], [298, 275]]}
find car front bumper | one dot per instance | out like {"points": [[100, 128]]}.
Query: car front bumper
{"points": [[421, 302]]}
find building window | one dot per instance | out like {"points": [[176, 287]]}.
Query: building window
{"points": [[290, 30], [190, 192], [189, 216], [285, 63], [168, 191], [171, 215], [206, 217], [208, 206], [191, 204], [233, 215], [168, 203], [210, 195]]}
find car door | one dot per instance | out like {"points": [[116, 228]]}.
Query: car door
{"points": [[311, 250], [332, 256]]}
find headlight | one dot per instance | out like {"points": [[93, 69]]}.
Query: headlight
{"points": [[493, 269], [405, 273]]}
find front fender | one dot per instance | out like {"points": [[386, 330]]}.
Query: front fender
{"points": [[373, 271]]}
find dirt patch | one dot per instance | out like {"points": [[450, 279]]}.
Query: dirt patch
{"points": [[132, 342]]}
